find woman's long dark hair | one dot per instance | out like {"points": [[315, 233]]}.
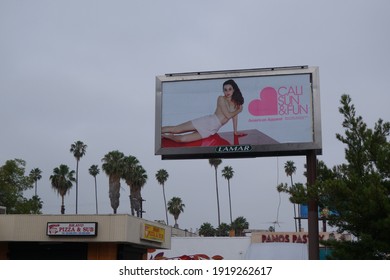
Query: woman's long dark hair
{"points": [[237, 97]]}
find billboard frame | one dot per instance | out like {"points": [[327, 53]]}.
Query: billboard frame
{"points": [[264, 150]]}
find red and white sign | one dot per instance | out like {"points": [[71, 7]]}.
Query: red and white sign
{"points": [[71, 229]]}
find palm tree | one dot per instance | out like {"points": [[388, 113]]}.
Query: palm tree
{"points": [[215, 162], [94, 171], [61, 181], [113, 165], [175, 208], [35, 174], [135, 176], [227, 173], [290, 169], [239, 224], [223, 229], [206, 229], [78, 149], [130, 163], [139, 180], [161, 177]]}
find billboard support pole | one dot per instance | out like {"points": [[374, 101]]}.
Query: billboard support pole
{"points": [[311, 163]]}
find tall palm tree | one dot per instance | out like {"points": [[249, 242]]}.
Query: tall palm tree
{"points": [[227, 173], [161, 177], [35, 174], [94, 171], [215, 162], [136, 179], [61, 181], [290, 169], [78, 149], [175, 208], [113, 165]]}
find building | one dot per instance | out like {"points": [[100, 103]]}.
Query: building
{"points": [[80, 237], [258, 245], [125, 237]]}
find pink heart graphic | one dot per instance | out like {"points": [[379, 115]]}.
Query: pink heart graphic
{"points": [[266, 105]]}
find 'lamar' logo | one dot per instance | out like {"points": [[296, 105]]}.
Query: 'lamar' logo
{"points": [[233, 149]]}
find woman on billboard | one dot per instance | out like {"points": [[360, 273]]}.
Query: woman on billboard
{"points": [[228, 107]]}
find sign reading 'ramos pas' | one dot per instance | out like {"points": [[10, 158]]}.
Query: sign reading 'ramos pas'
{"points": [[238, 113]]}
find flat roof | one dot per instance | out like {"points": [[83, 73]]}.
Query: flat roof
{"points": [[118, 228]]}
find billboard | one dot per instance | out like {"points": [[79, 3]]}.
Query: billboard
{"points": [[238, 113]]}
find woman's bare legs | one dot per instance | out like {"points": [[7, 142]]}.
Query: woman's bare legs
{"points": [[183, 138], [174, 132], [177, 129]]}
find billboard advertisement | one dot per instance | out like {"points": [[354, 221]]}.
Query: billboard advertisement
{"points": [[238, 113]]}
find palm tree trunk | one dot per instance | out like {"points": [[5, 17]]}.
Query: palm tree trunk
{"points": [[62, 205], [176, 224], [133, 199], [277, 211], [77, 183], [165, 205], [96, 198], [295, 211], [114, 192], [216, 187], [230, 203], [299, 218]]}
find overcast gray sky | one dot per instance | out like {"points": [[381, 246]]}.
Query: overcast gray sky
{"points": [[85, 70]]}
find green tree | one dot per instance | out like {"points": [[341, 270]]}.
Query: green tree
{"points": [[161, 177], [357, 194], [36, 175], [223, 229], [175, 208], [215, 162], [298, 192], [13, 182], [78, 149], [94, 171], [135, 176], [113, 166], [239, 224], [29, 206], [62, 181], [206, 229], [290, 169], [128, 172], [227, 173]]}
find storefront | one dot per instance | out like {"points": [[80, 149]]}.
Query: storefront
{"points": [[257, 245], [80, 237]]}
